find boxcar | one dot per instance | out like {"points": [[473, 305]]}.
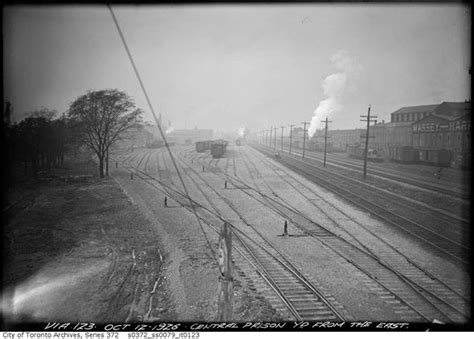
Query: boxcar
{"points": [[437, 157], [403, 154], [218, 148], [200, 146]]}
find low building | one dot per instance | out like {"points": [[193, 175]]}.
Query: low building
{"points": [[187, 136]]}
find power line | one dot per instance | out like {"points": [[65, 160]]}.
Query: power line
{"points": [[159, 127]]}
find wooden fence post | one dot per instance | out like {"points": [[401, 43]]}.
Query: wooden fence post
{"points": [[226, 284]]}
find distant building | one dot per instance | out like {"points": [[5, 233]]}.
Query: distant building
{"points": [[383, 135], [412, 113], [448, 128], [340, 139], [186, 136]]}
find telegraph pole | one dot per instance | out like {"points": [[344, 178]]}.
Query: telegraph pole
{"points": [[270, 141], [369, 119], [282, 127], [304, 136], [291, 135], [275, 141], [226, 284], [325, 139]]}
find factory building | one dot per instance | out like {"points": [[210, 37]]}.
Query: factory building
{"points": [[412, 113], [431, 129], [447, 128], [340, 139]]}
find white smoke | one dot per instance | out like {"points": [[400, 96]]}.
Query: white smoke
{"points": [[169, 130], [333, 88], [242, 132]]}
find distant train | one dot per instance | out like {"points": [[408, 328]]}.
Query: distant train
{"points": [[202, 146], [218, 148], [403, 154], [358, 152], [155, 144]]}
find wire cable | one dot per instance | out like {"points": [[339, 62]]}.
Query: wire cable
{"points": [[150, 106]]}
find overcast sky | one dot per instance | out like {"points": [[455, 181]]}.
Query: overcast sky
{"points": [[228, 66]]}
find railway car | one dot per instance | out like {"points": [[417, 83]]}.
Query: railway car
{"points": [[358, 152], [437, 157], [403, 154], [200, 146], [218, 148], [155, 144]]}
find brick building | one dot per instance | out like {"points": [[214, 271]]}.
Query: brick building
{"points": [[447, 128], [412, 113]]}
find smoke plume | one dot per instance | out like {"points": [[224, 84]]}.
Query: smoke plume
{"points": [[242, 132], [333, 88], [169, 130]]}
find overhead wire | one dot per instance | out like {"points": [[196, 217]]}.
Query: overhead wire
{"points": [[150, 106]]}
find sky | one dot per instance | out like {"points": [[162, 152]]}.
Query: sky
{"points": [[231, 66]]}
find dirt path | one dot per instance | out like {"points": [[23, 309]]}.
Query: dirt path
{"points": [[82, 252]]}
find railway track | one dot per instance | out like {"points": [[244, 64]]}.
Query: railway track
{"points": [[309, 196], [401, 287], [397, 276], [302, 299], [384, 173], [458, 252]]}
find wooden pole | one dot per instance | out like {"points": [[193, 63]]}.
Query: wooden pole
{"points": [[369, 119], [226, 284], [325, 139], [282, 127], [304, 136], [291, 135]]}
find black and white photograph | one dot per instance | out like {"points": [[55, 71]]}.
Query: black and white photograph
{"points": [[236, 167]]}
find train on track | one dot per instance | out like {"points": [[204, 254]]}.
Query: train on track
{"points": [[218, 148], [410, 155], [155, 144], [357, 151], [202, 146]]}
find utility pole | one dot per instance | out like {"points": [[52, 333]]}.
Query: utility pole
{"points": [[291, 135], [325, 139], [369, 119], [270, 142], [275, 141], [282, 127], [226, 284], [304, 136]]}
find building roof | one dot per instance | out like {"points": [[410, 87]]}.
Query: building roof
{"points": [[394, 124], [456, 109], [416, 109]]}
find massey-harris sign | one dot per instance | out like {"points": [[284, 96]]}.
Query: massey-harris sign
{"points": [[442, 125]]}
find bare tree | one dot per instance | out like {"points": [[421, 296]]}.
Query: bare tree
{"points": [[101, 118]]}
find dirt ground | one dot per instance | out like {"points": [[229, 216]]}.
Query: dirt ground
{"points": [[79, 250]]}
